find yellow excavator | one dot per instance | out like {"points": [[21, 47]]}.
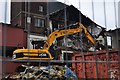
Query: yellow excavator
{"points": [[44, 54]]}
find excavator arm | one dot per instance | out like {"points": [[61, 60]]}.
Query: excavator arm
{"points": [[60, 33], [88, 35]]}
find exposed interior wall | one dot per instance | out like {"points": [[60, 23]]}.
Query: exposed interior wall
{"points": [[35, 38]]}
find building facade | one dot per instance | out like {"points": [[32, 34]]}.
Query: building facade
{"points": [[33, 17]]}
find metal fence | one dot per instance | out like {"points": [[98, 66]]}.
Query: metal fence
{"points": [[103, 64]]}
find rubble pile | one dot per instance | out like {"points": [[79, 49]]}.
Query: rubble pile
{"points": [[54, 72]]}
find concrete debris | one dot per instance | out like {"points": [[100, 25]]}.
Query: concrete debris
{"points": [[54, 72]]}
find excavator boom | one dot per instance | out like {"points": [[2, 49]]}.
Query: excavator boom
{"points": [[59, 33]]}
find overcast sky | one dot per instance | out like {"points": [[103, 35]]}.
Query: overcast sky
{"points": [[85, 6]]}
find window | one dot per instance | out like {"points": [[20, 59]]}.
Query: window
{"points": [[41, 8], [39, 22], [109, 40], [90, 29]]}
